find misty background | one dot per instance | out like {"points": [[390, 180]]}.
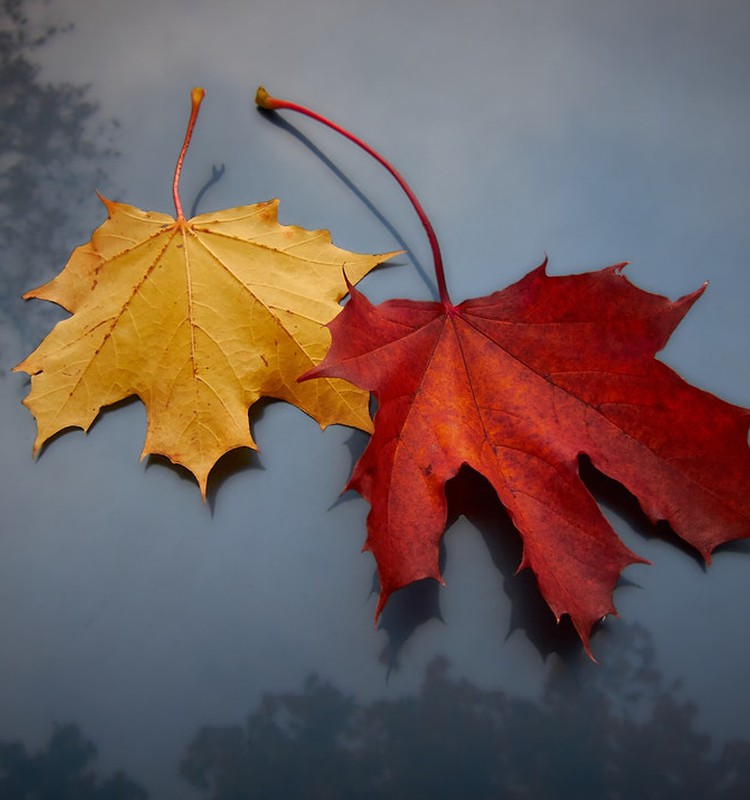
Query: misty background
{"points": [[153, 645]]}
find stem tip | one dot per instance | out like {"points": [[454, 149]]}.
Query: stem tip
{"points": [[197, 95], [264, 100]]}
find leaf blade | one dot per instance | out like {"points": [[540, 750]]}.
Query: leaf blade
{"points": [[198, 320]]}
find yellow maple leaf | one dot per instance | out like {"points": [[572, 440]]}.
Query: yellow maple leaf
{"points": [[199, 318]]}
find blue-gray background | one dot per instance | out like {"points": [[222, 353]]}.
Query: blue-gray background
{"points": [[592, 131]]}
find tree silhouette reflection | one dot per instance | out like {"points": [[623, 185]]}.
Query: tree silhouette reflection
{"points": [[61, 771], [608, 731], [52, 148]]}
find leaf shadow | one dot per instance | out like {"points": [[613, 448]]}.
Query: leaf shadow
{"points": [[282, 123], [217, 173], [469, 494], [235, 462], [355, 443], [103, 413], [407, 609], [242, 459], [231, 464], [612, 495]]}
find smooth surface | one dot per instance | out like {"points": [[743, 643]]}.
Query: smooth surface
{"points": [[592, 132]]}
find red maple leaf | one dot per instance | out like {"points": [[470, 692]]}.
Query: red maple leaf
{"points": [[517, 385]]}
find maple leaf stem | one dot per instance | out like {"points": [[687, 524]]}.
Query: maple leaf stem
{"points": [[196, 98], [269, 103]]}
